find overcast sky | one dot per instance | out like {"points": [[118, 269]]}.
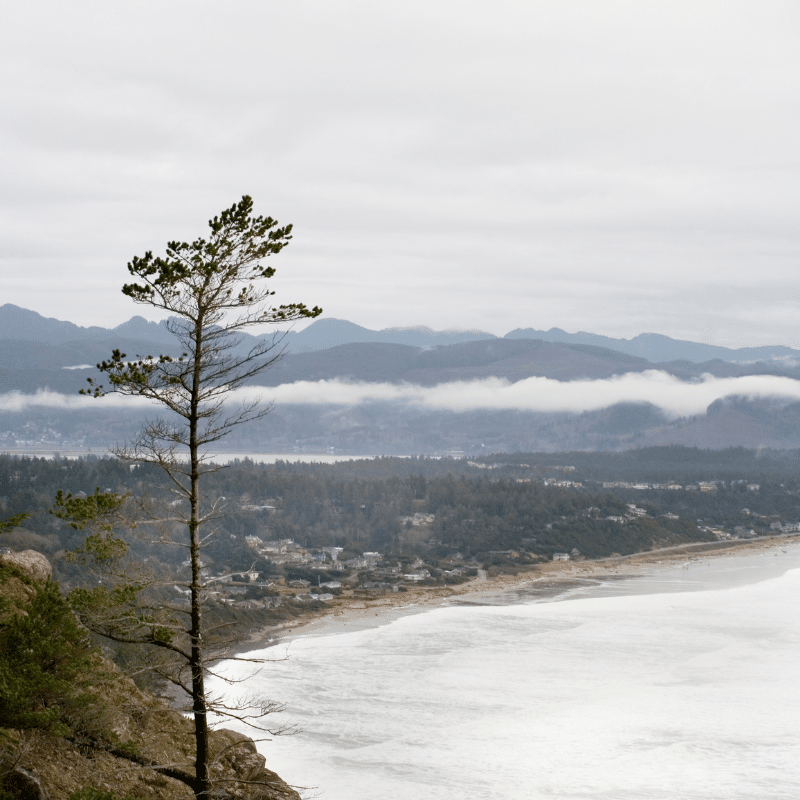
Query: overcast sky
{"points": [[608, 166]]}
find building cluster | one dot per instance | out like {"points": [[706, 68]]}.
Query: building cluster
{"points": [[573, 554], [700, 486], [418, 519], [785, 527], [369, 572], [633, 512], [287, 551]]}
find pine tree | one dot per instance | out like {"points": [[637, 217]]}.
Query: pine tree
{"points": [[216, 290]]}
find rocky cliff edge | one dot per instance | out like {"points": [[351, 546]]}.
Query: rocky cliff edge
{"points": [[142, 740]]}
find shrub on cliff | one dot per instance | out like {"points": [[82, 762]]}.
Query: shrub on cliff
{"points": [[44, 654]]}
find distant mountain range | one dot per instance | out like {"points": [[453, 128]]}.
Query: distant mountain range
{"points": [[21, 324], [38, 353], [657, 348]]}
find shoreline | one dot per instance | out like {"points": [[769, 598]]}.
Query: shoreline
{"points": [[541, 582]]}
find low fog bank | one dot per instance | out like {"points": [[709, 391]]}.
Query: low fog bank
{"points": [[376, 419], [672, 396]]}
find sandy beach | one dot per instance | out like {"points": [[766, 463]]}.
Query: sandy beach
{"points": [[542, 581]]}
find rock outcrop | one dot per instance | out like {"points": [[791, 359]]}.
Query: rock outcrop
{"points": [[30, 563]]}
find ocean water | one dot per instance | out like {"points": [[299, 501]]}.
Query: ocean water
{"points": [[678, 686]]}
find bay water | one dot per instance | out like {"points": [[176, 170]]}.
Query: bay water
{"points": [[682, 684]]}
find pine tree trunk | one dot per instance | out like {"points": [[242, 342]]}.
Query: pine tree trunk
{"points": [[199, 706]]}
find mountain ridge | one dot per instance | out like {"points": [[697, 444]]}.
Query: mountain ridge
{"points": [[329, 332], [656, 347]]}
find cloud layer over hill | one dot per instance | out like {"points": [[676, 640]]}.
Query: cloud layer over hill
{"points": [[675, 397], [672, 395]]}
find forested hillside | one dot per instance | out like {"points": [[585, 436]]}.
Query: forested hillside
{"points": [[437, 509]]}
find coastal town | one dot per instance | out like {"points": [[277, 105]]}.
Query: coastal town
{"points": [[301, 574]]}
